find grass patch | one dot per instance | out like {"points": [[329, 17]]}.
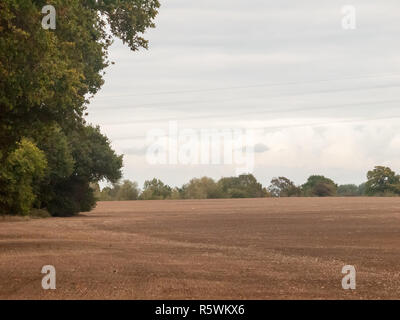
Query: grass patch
{"points": [[39, 214], [33, 214]]}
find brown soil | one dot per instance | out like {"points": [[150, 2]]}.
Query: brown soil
{"points": [[211, 249]]}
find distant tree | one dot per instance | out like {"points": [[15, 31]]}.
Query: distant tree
{"points": [[177, 194], [348, 190], [128, 190], [382, 181], [109, 193], [254, 188], [204, 188], [319, 186], [125, 191], [155, 190], [244, 186], [362, 189], [95, 186], [283, 187], [324, 190]]}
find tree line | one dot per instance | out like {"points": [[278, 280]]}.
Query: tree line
{"points": [[49, 156], [381, 181]]}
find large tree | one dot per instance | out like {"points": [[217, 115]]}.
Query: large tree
{"points": [[203, 188], [47, 75], [382, 181], [46, 79], [243, 186], [68, 191], [319, 186], [283, 187], [155, 190]]}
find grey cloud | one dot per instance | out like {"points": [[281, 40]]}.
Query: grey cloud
{"points": [[135, 151], [200, 45], [260, 148]]}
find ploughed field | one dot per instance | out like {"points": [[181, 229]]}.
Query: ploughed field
{"points": [[208, 249]]}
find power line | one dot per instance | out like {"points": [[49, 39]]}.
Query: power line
{"points": [[258, 112], [289, 83], [191, 102]]}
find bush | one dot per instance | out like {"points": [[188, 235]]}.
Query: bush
{"points": [[323, 190], [319, 186], [39, 213], [204, 188], [155, 190], [82, 159], [244, 186], [348, 190], [22, 170]]}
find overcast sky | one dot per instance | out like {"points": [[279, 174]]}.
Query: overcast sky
{"points": [[324, 100]]}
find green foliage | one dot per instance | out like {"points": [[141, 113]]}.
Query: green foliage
{"points": [[46, 78], [128, 19], [382, 181], [71, 197], [319, 186], [176, 194], [46, 75], [60, 162], [39, 214], [348, 190], [75, 163], [283, 187], [108, 193], [126, 191], [324, 190], [362, 189], [94, 160], [244, 186], [204, 188], [23, 168], [155, 190]]}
